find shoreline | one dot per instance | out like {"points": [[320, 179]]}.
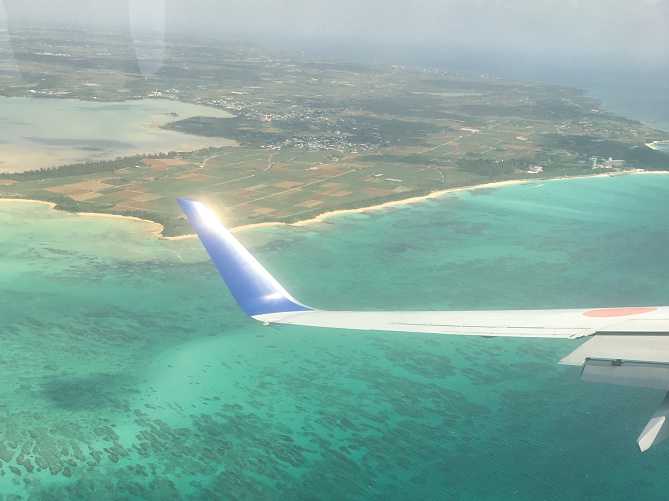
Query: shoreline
{"points": [[654, 144], [434, 194], [158, 228], [155, 232]]}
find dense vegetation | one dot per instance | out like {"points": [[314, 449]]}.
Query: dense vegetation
{"points": [[81, 169], [635, 154]]}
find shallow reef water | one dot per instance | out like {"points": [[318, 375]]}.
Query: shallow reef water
{"points": [[129, 373]]}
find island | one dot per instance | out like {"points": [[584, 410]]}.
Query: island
{"points": [[307, 136]]}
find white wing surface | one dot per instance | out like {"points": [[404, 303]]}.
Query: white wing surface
{"points": [[513, 323], [628, 346]]}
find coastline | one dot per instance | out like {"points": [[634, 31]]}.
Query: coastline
{"points": [[394, 203], [654, 144], [434, 194], [156, 231]]}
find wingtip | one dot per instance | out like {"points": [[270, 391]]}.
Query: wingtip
{"points": [[255, 290], [187, 201]]}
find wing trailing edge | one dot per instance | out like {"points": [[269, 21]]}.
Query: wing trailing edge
{"points": [[627, 346]]}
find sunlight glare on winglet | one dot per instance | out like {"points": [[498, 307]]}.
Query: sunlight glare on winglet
{"points": [[256, 291], [208, 217]]}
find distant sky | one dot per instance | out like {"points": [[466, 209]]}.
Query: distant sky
{"points": [[555, 32]]}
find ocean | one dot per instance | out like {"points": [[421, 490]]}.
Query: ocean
{"points": [[130, 373], [646, 100]]}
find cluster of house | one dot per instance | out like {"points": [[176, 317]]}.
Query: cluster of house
{"points": [[600, 163]]}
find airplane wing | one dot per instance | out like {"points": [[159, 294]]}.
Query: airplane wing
{"points": [[628, 346]]}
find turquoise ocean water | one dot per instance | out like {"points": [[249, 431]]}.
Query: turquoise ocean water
{"points": [[129, 372]]}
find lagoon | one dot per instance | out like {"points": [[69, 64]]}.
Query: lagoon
{"points": [[45, 132]]}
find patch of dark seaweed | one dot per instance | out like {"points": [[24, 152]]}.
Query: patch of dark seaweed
{"points": [[400, 248], [85, 393], [278, 244], [419, 362]]}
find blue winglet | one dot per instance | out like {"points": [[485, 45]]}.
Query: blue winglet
{"points": [[254, 289]]}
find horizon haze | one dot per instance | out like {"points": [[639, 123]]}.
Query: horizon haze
{"points": [[527, 39]]}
